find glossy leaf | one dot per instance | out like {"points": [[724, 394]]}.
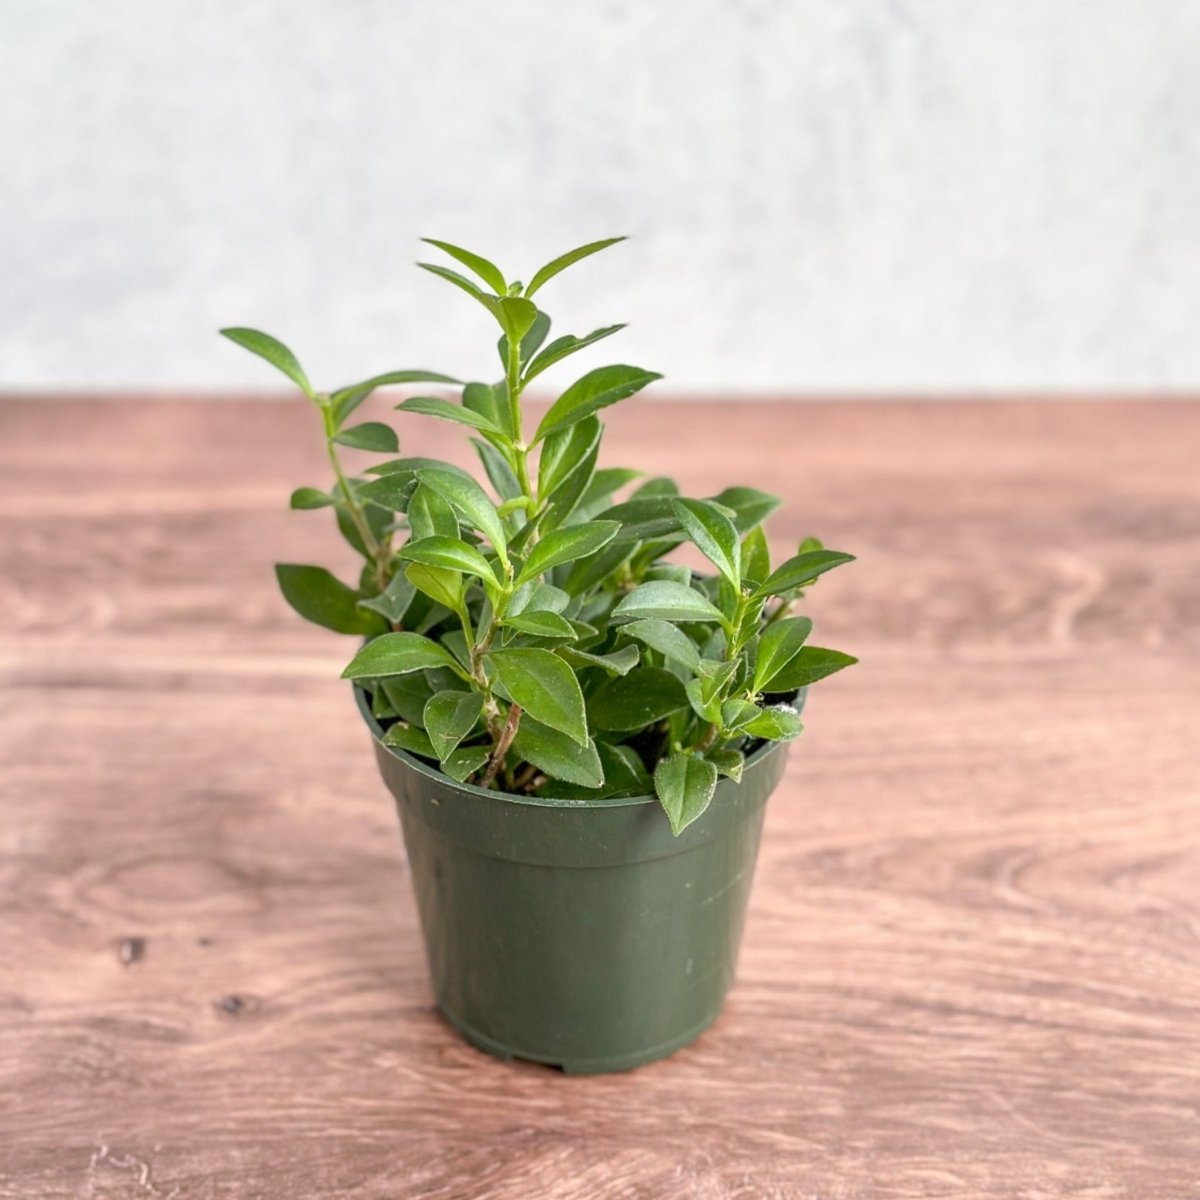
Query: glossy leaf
{"points": [[618, 662], [780, 723], [462, 763], [472, 502], [394, 601], [433, 406], [542, 624], [728, 762], [487, 271], [410, 738], [529, 343], [323, 599], [449, 717], [809, 665], [563, 261], [644, 518], [637, 700], [669, 640], [489, 401], [430, 516], [450, 553], [544, 686], [749, 506], [714, 535], [559, 756], [310, 497], [595, 390], [801, 570], [566, 545], [756, 557], [779, 644], [371, 435], [668, 601], [564, 346], [498, 470], [398, 654], [684, 784], [562, 453], [443, 586], [346, 400], [273, 351]]}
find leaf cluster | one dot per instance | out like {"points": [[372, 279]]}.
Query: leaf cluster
{"points": [[534, 635]]}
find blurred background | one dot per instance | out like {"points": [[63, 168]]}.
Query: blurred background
{"points": [[872, 196]]}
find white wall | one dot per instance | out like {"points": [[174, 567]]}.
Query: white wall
{"points": [[844, 194]]}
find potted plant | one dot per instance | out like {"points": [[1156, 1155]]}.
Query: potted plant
{"points": [[580, 734]]}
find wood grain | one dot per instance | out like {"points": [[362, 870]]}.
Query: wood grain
{"points": [[972, 963]]}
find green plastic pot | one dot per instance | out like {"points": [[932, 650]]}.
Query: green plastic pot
{"points": [[580, 934]]}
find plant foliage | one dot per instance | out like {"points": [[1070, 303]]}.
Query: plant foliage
{"points": [[537, 638]]}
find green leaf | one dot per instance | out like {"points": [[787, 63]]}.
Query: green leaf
{"points": [[472, 502], [432, 406], [398, 654], [801, 570], [595, 390], [566, 545], [443, 586], [561, 347], [541, 624], [557, 755], [499, 472], [728, 762], [393, 602], [310, 497], [563, 261], [750, 507], [779, 723], [779, 644], [274, 352], [430, 516], [737, 713], [346, 400], [544, 686], [603, 483], [515, 315], [809, 665], [714, 535], [487, 271], [323, 599], [371, 435], [756, 557], [568, 495], [643, 519], [637, 700], [619, 662], [450, 553], [449, 717], [465, 761], [669, 640], [489, 401], [538, 596], [685, 784], [668, 600], [563, 452], [460, 281], [410, 738], [529, 343]]}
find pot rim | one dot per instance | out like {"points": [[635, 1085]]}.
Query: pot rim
{"points": [[440, 777]]}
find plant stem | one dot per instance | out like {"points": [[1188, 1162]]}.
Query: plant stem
{"points": [[357, 516], [506, 738], [513, 377]]}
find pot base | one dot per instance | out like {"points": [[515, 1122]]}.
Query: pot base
{"points": [[577, 1066]]}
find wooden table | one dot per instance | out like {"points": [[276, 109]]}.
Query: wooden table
{"points": [[972, 962]]}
